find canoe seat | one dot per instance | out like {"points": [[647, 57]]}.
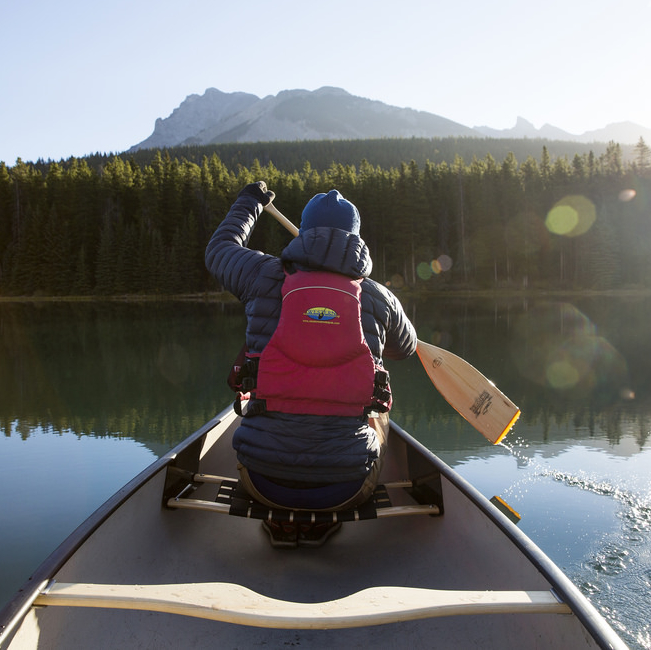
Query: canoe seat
{"points": [[233, 499]]}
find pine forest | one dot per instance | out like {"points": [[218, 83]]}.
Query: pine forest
{"points": [[138, 224]]}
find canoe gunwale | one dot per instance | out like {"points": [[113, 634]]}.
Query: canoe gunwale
{"points": [[183, 456], [16, 609], [564, 588]]}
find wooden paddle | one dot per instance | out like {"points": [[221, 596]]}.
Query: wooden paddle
{"points": [[472, 395]]}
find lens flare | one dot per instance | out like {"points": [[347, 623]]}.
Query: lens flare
{"points": [[572, 216], [627, 195], [396, 281], [424, 271], [558, 347], [445, 262], [441, 264], [562, 374]]}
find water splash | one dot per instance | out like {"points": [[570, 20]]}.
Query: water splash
{"points": [[615, 572], [635, 513], [639, 505], [517, 448]]}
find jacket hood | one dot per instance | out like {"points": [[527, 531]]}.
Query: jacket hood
{"points": [[330, 249]]}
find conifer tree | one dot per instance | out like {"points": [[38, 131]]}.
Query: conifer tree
{"points": [[106, 259], [642, 155]]}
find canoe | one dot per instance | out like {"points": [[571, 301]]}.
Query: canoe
{"points": [[178, 559]]}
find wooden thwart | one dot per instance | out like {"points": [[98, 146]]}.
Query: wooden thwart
{"points": [[232, 499], [231, 603]]}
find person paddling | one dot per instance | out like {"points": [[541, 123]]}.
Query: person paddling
{"points": [[314, 393]]}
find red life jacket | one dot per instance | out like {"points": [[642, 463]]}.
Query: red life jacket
{"points": [[317, 361]]}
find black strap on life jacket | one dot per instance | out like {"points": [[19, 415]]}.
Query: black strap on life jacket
{"points": [[246, 405], [382, 391], [244, 372], [243, 380]]}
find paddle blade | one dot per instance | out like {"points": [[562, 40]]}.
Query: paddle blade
{"points": [[474, 397]]}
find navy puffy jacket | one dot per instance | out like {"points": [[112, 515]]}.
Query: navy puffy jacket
{"points": [[303, 447]]}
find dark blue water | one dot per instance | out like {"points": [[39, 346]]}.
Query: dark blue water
{"points": [[92, 393]]}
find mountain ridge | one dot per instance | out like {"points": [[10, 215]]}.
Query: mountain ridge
{"points": [[622, 132], [331, 113]]}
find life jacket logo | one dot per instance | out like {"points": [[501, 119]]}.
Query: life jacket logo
{"points": [[321, 313]]}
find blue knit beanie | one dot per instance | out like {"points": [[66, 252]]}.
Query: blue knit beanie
{"points": [[331, 210]]}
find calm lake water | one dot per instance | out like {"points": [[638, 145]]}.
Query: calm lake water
{"points": [[91, 393]]}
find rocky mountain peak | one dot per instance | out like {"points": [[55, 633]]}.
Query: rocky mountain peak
{"points": [[331, 113]]}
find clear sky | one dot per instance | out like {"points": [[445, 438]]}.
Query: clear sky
{"points": [[79, 76]]}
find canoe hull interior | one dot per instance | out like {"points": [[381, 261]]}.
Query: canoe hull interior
{"points": [[142, 542]]}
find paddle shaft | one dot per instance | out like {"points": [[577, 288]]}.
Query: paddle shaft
{"points": [[472, 395], [276, 214]]}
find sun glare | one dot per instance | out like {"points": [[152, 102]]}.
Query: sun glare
{"points": [[571, 216], [627, 195]]}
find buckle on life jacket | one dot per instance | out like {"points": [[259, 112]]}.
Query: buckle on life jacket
{"points": [[244, 373], [382, 378], [382, 398], [247, 405], [234, 380]]}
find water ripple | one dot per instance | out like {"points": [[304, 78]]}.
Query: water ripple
{"points": [[638, 507], [615, 573]]}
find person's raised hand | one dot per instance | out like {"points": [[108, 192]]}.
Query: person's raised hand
{"points": [[259, 191]]}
